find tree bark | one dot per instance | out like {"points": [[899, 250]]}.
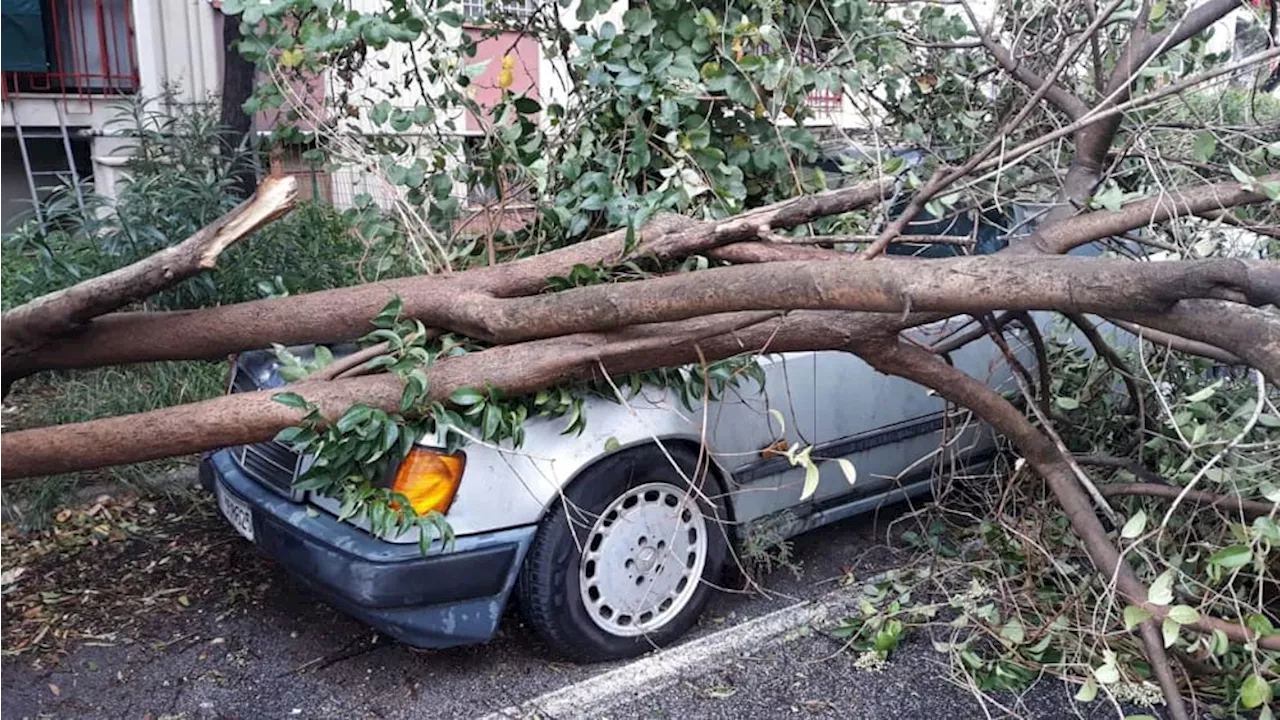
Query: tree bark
{"points": [[1242, 506], [516, 369], [345, 313]]}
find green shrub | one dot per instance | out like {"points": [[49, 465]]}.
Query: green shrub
{"points": [[15, 283], [310, 249]]}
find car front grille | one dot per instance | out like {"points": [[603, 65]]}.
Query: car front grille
{"points": [[270, 463]]}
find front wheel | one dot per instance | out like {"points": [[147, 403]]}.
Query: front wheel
{"points": [[625, 561]]}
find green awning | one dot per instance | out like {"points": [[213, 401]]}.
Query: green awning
{"points": [[22, 36]]}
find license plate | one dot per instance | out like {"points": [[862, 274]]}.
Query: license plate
{"points": [[237, 512]]}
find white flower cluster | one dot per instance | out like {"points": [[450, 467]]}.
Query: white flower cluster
{"points": [[972, 597], [871, 661], [1140, 693], [685, 86]]}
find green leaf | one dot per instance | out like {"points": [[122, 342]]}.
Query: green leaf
{"points": [[1259, 623], [1254, 692], [1204, 393], [611, 444], [1066, 403], [1111, 198], [292, 373], [1107, 673], [810, 476], [355, 416], [1169, 630], [1233, 557], [1183, 614], [1135, 616], [465, 397], [1013, 631], [492, 419], [290, 399], [1271, 189], [1161, 591], [1219, 644], [387, 316], [1243, 177], [288, 435], [527, 105], [324, 356], [1088, 691], [1204, 146], [1135, 525]]}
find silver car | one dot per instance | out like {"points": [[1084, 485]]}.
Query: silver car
{"points": [[610, 541]]}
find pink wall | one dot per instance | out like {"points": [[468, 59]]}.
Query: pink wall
{"points": [[525, 74], [310, 90]]}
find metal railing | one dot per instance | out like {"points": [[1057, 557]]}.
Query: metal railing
{"points": [[89, 51]]}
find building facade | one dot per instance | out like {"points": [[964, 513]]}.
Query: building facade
{"points": [[66, 62]]}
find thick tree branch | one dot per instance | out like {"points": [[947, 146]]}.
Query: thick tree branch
{"points": [[943, 177], [1060, 97], [30, 325], [342, 314], [1175, 342], [517, 369], [1250, 508], [1251, 334], [1095, 140], [1060, 237], [890, 285], [925, 368]]}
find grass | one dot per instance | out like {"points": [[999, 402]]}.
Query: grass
{"points": [[82, 395]]}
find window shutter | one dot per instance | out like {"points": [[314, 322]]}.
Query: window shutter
{"points": [[22, 37]]}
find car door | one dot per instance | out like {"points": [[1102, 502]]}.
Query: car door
{"points": [[880, 423], [741, 430], [891, 428]]}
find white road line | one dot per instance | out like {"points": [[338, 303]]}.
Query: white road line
{"points": [[662, 669]]}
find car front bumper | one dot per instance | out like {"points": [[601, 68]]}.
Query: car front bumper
{"points": [[442, 599]]}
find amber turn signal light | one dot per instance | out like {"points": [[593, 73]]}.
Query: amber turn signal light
{"points": [[429, 479]]}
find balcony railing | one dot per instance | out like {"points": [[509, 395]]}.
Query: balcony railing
{"points": [[69, 48]]}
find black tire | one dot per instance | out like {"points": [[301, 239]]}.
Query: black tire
{"points": [[549, 586]]}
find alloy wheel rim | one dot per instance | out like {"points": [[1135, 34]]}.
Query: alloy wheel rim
{"points": [[643, 559]]}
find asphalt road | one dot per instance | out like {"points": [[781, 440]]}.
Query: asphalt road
{"points": [[285, 655]]}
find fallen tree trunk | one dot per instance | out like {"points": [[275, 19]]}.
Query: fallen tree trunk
{"points": [[342, 314], [516, 369], [779, 297], [561, 336], [338, 315]]}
